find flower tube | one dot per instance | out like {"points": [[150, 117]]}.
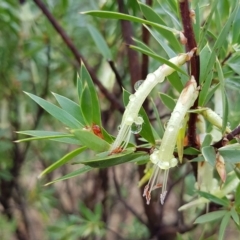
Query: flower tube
{"points": [[136, 100], [163, 159]]}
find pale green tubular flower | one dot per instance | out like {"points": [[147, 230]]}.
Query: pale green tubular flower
{"points": [[136, 100], [163, 159], [214, 118], [226, 190]]}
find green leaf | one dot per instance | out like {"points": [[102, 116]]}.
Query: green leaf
{"points": [[209, 94], [86, 105], [207, 140], [100, 42], [62, 161], [57, 112], [72, 174], [177, 80], [223, 225], [231, 156], [237, 197], [39, 133], [89, 100], [160, 125], [56, 137], [212, 198], [152, 16], [158, 58], [197, 159], [208, 217], [142, 45], [224, 96], [167, 101], [207, 23], [146, 131], [209, 155], [235, 216], [197, 25], [107, 137], [90, 140], [191, 151], [204, 57], [116, 15], [66, 138], [220, 41], [71, 107], [104, 161], [161, 41], [86, 213], [205, 89]]}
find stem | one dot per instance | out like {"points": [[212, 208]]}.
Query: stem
{"points": [[228, 137], [194, 71]]}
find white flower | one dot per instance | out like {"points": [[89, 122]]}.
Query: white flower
{"points": [[163, 159], [136, 100]]}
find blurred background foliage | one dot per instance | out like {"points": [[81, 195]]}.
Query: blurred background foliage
{"points": [[102, 204]]}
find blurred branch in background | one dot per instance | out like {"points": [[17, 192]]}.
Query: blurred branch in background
{"points": [[42, 51], [77, 55]]}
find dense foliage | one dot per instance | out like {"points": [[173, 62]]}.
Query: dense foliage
{"points": [[111, 151]]}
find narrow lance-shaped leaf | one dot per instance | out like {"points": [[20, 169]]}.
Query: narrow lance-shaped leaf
{"points": [[86, 105], [223, 225], [122, 16], [174, 78], [142, 45], [158, 58], [209, 155], [72, 174], [160, 125], [152, 16], [235, 216], [224, 97], [208, 217], [57, 112], [63, 160], [54, 136], [207, 23], [90, 94], [116, 159], [167, 101], [71, 107], [91, 140], [100, 42], [220, 40], [212, 198]]}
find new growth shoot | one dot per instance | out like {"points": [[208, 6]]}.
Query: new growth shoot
{"points": [[163, 158], [130, 117]]}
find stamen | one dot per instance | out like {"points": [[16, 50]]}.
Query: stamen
{"points": [[162, 197], [164, 188]]}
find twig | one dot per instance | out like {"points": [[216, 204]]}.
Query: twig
{"points": [[194, 71], [117, 75], [228, 137], [77, 55]]}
